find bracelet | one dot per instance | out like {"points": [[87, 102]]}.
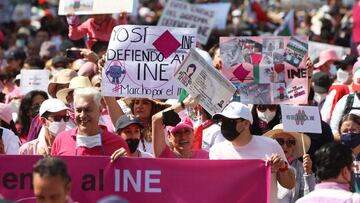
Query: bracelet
{"points": [[182, 105], [285, 168]]}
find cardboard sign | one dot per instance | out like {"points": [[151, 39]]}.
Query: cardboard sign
{"points": [[182, 14], [141, 60], [301, 119], [34, 80], [316, 47], [145, 180], [221, 12], [196, 76], [88, 7], [267, 70]]}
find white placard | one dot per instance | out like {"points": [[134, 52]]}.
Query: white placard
{"points": [[88, 7], [304, 119], [34, 80], [221, 12], [196, 76], [141, 60], [182, 14]]}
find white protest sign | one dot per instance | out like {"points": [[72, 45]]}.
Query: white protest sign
{"points": [[316, 47], [141, 60], [221, 12], [301, 119], [34, 80], [182, 14], [88, 7], [196, 76]]}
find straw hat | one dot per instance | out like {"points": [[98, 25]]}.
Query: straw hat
{"points": [[63, 77], [298, 150], [76, 82]]}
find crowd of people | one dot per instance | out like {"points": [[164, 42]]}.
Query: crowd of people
{"points": [[73, 119]]}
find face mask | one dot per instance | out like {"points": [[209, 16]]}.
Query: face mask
{"points": [[133, 144], [20, 43], [342, 76], [228, 129], [351, 140], [56, 127], [35, 110], [267, 115], [319, 97]]}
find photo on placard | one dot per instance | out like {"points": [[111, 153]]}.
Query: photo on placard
{"points": [[251, 93], [266, 74], [231, 52], [236, 96], [295, 51], [272, 44], [267, 58], [249, 48], [279, 92], [78, 5], [186, 77], [279, 73], [278, 56]]}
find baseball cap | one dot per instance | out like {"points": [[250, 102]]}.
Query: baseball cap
{"points": [[349, 60], [235, 110], [184, 123], [16, 54], [322, 82], [126, 120], [52, 105]]}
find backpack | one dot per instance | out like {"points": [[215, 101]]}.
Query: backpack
{"points": [[349, 104]]}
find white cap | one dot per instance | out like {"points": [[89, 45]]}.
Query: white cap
{"points": [[236, 110], [52, 105]]}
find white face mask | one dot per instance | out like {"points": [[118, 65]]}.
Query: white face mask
{"points": [[56, 127], [266, 116], [342, 76]]}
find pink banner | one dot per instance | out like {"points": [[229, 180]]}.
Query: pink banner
{"points": [[145, 180]]}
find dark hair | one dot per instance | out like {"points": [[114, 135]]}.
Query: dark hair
{"points": [[35, 62], [213, 50], [99, 46], [330, 159], [256, 129], [349, 117], [25, 106], [52, 167]]}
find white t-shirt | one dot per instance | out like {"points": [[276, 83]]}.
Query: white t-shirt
{"points": [[211, 136], [11, 141], [259, 147]]}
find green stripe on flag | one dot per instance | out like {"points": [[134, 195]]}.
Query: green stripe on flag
{"points": [[256, 72]]}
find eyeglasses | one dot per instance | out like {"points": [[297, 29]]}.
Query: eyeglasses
{"points": [[263, 108], [58, 118], [345, 131], [289, 143]]}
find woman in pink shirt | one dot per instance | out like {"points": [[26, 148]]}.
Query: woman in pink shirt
{"points": [[181, 134]]}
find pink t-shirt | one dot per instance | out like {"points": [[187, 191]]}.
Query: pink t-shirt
{"points": [[196, 154]]}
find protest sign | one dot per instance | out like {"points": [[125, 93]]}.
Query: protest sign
{"points": [[88, 7], [182, 14], [198, 77], [301, 119], [34, 80], [146, 180], [267, 70], [316, 47], [141, 60], [221, 12]]}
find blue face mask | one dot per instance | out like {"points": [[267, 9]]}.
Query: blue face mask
{"points": [[351, 140]]}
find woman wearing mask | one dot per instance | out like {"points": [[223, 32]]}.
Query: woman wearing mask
{"points": [[291, 143], [350, 136], [265, 118], [29, 109], [129, 128]]}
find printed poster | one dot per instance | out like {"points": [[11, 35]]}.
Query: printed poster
{"points": [[267, 70], [181, 14], [89, 7], [141, 60], [196, 76], [301, 119], [34, 80]]}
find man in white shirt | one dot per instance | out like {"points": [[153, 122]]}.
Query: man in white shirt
{"points": [[236, 119]]}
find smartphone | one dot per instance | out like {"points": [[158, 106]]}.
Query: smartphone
{"points": [[73, 53]]}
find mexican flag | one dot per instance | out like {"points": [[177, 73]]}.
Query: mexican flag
{"points": [[287, 28]]}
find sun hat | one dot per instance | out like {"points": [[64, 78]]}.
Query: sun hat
{"points": [[52, 105], [5, 113], [325, 56], [63, 77], [235, 110], [298, 150], [184, 123], [126, 120], [76, 82]]}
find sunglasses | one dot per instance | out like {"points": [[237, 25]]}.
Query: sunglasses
{"points": [[263, 108], [282, 141], [58, 118]]}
